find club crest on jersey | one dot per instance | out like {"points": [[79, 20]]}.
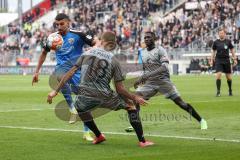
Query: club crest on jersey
{"points": [[225, 46], [71, 40], [89, 37]]}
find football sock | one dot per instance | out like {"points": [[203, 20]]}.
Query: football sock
{"points": [[194, 113], [85, 128], [218, 83], [229, 82], [87, 118], [135, 121], [137, 107], [187, 107], [92, 126]]}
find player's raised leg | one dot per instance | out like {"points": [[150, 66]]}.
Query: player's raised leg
{"points": [[189, 108]]}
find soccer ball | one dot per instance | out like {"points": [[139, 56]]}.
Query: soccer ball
{"points": [[54, 41]]}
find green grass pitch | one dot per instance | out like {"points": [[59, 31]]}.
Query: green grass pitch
{"points": [[29, 129]]}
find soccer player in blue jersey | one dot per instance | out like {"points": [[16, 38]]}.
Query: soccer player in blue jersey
{"points": [[66, 57]]}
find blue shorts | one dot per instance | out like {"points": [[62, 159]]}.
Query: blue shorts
{"points": [[73, 83]]}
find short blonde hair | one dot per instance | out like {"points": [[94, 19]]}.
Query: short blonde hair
{"points": [[111, 40]]}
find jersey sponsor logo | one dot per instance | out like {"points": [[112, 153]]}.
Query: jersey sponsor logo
{"points": [[71, 40], [66, 50]]}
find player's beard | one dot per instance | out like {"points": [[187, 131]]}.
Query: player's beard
{"points": [[63, 31], [222, 38]]}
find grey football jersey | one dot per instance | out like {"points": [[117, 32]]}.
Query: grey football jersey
{"points": [[98, 68], [152, 60]]}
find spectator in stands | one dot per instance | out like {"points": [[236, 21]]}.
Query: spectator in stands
{"points": [[177, 29], [205, 65]]}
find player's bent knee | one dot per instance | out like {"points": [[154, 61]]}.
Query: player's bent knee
{"points": [[85, 116], [130, 107]]}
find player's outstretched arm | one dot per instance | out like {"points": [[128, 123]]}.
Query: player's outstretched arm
{"points": [[145, 76], [120, 89], [39, 65], [64, 79]]}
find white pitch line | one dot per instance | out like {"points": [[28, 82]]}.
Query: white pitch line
{"points": [[127, 134], [25, 110]]}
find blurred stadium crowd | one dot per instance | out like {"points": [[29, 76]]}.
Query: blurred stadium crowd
{"points": [[180, 28]]}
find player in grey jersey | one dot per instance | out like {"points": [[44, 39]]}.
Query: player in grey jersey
{"points": [[98, 68], [156, 77]]}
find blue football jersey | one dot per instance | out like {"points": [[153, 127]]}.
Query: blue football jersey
{"points": [[71, 49]]}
